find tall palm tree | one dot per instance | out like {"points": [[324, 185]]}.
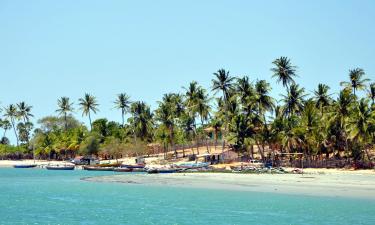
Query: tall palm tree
{"points": [[357, 82], [284, 71], [65, 107], [12, 114], [371, 92], [294, 100], [203, 106], [88, 103], [322, 98], [223, 83], [123, 102], [141, 120], [6, 125], [24, 111], [264, 100]]}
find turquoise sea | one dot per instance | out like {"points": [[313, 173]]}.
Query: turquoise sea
{"points": [[37, 196]]}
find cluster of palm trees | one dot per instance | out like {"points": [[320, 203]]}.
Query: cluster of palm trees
{"points": [[240, 111], [17, 116]]}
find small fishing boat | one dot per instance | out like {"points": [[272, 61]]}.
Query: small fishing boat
{"points": [[162, 170], [135, 166], [59, 167], [25, 166], [192, 165], [98, 168], [125, 169]]}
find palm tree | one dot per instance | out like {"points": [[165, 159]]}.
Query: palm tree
{"points": [[322, 98], [122, 102], [64, 108], [371, 93], [6, 125], [191, 101], [294, 100], [24, 111], [203, 106], [141, 120], [356, 80], [360, 125], [88, 103], [284, 71], [223, 83], [12, 114]]}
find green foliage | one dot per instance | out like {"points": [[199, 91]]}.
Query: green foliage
{"points": [[239, 111], [90, 145]]}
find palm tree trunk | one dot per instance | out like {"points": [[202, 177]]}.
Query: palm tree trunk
{"points": [[90, 121], [66, 122], [14, 128], [122, 115]]}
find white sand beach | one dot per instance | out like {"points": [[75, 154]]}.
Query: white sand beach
{"points": [[333, 183]]}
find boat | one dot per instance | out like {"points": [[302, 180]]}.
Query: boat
{"points": [[162, 170], [125, 169], [25, 166], [135, 166], [58, 167], [168, 170], [192, 165], [98, 168]]}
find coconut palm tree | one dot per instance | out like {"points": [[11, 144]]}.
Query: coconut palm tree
{"points": [[284, 71], [65, 107], [24, 111], [223, 83], [322, 98], [203, 106], [88, 103], [357, 82], [123, 102], [141, 120], [12, 114], [6, 125], [294, 100]]}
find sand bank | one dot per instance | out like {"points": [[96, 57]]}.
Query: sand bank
{"points": [[10, 163], [334, 184]]}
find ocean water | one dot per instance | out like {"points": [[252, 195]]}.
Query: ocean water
{"points": [[37, 196]]}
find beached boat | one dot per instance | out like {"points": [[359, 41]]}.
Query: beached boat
{"points": [[58, 167], [98, 168], [135, 166], [193, 165], [125, 169], [162, 170], [25, 166]]}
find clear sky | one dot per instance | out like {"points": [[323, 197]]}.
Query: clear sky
{"points": [[50, 49]]}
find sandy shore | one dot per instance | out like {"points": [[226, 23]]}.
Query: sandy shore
{"points": [[11, 163], [333, 183]]}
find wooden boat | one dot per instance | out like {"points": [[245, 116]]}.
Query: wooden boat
{"points": [[57, 167], [135, 166], [192, 165], [123, 169], [98, 168], [153, 171], [24, 166]]}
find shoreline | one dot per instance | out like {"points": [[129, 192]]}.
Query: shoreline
{"points": [[350, 185]]}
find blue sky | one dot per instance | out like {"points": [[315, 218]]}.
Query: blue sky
{"points": [[50, 49]]}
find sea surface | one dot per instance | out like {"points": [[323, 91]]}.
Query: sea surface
{"points": [[38, 196]]}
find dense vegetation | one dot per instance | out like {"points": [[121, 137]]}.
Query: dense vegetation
{"points": [[238, 109]]}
